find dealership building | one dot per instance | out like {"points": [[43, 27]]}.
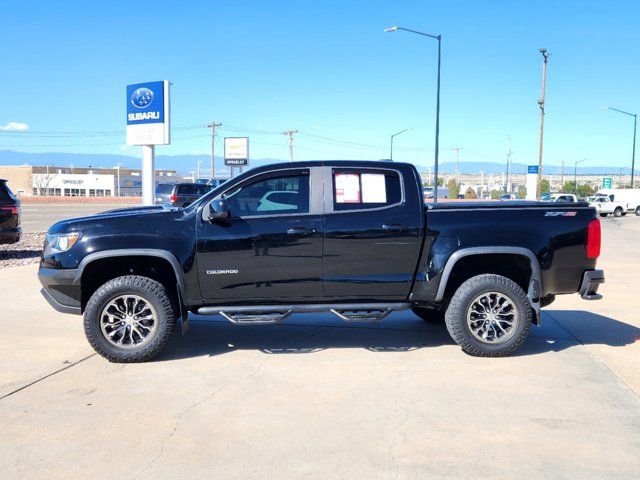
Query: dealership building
{"points": [[28, 180]]}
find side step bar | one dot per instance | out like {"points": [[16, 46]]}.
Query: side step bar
{"points": [[269, 314]]}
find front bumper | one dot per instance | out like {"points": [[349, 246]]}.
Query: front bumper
{"points": [[591, 280], [61, 289]]}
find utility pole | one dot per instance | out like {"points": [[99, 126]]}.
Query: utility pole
{"points": [[457, 149], [545, 57], [199, 162], [213, 125], [562, 175], [507, 185], [290, 134]]}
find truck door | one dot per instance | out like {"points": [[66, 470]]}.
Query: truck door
{"points": [[373, 220], [271, 245]]}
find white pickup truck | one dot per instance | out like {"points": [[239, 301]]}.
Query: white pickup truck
{"points": [[559, 197], [628, 196], [604, 206]]}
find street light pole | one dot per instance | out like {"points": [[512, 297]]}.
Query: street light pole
{"points": [[395, 135], [635, 125], [575, 176], [545, 56], [437, 145]]}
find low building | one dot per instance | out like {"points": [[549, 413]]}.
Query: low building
{"points": [[28, 180]]}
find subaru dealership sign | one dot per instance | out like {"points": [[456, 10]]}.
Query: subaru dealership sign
{"points": [[148, 113]]}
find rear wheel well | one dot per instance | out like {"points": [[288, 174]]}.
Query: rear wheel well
{"points": [[511, 265], [100, 271]]}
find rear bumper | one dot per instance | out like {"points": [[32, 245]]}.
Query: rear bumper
{"points": [[60, 289], [591, 280], [10, 235]]}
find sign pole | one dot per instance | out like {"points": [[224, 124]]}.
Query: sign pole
{"points": [[148, 175]]}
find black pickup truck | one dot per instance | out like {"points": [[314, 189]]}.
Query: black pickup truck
{"points": [[349, 237]]}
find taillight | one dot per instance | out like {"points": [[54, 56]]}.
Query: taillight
{"points": [[12, 209], [174, 197], [594, 239]]}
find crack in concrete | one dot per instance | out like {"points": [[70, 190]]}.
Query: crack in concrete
{"points": [[180, 415], [38, 380]]}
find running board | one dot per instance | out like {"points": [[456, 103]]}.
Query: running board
{"points": [[269, 314]]}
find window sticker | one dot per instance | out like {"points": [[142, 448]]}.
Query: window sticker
{"points": [[347, 187], [374, 188]]}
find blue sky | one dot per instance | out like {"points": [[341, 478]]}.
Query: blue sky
{"points": [[327, 69]]}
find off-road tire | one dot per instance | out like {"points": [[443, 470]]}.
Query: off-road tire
{"points": [[638, 211], [429, 315], [617, 212], [456, 316], [151, 291]]}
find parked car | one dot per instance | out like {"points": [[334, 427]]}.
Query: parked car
{"points": [[9, 215], [353, 238], [559, 197], [508, 196], [180, 194], [443, 192], [604, 206], [630, 196]]}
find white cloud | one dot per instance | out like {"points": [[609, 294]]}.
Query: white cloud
{"points": [[14, 127]]}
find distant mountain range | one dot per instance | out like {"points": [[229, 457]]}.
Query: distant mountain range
{"points": [[187, 163]]}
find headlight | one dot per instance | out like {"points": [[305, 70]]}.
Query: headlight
{"points": [[60, 243]]}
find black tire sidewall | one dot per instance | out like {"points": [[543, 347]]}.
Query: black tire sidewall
{"points": [[456, 317], [617, 212], [152, 292]]}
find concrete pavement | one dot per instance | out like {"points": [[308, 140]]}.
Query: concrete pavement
{"points": [[318, 398]]}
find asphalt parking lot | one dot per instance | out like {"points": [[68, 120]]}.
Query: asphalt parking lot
{"points": [[39, 217], [317, 398]]}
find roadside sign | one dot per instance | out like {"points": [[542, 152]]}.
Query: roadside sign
{"points": [[531, 182], [236, 151], [607, 182], [148, 113]]}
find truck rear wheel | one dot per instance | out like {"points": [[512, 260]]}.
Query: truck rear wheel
{"points": [[129, 319], [489, 316], [638, 211]]}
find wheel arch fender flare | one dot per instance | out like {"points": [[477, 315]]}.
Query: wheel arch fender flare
{"points": [[535, 283], [136, 252]]}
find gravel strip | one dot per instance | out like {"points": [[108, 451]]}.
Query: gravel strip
{"points": [[28, 250]]}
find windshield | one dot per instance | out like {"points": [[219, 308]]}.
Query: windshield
{"points": [[164, 189]]}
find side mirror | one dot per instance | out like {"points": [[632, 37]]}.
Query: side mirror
{"points": [[218, 210]]}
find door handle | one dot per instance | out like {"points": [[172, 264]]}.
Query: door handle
{"points": [[299, 231], [394, 227]]}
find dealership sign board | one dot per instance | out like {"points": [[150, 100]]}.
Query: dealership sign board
{"points": [[531, 182], [607, 182], [148, 113], [236, 151]]}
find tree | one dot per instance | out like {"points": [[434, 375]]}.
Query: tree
{"points": [[545, 186], [583, 190], [454, 188], [470, 194], [496, 194], [440, 181], [522, 192]]}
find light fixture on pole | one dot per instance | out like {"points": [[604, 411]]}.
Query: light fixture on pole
{"points": [[635, 124], [439, 38], [395, 135]]}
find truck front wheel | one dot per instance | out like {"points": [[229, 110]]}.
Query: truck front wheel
{"points": [[489, 316], [617, 212], [129, 319]]}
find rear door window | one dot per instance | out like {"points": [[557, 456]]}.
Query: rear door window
{"points": [[355, 189]]}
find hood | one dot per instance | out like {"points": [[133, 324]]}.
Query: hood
{"points": [[131, 216]]}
